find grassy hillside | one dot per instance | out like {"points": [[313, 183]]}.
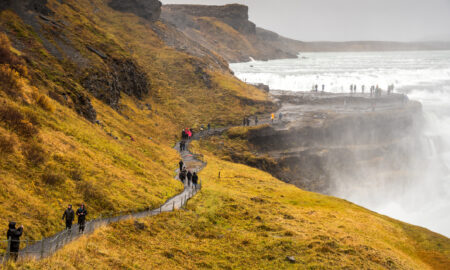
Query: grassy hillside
{"points": [[247, 219], [53, 88]]}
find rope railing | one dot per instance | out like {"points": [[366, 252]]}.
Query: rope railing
{"points": [[39, 249]]}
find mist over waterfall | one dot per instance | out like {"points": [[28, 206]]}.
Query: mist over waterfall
{"points": [[413, 183]]}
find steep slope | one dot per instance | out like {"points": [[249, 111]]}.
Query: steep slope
{"points": [[91, 100], [249, 220]]}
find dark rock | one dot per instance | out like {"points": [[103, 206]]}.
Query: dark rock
{"points": [[83, 107], [147, 9], [291, 259], [139, 226], [262, 86], [97, 52], [120, 76], [39, 6], [234, 15]]}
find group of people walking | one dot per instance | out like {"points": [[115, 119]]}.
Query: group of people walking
{"points": [[186, 176], [69, 217], [187, 134], [13, 235]]}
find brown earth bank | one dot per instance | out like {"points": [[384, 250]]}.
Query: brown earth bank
{"points": [[325, 137]]}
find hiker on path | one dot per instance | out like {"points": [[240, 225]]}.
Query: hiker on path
{"points": [[189, 177], [195, 179], [256, 120], [81, 214], [14, 235], [182, 176], [69, 216], [181, 163], [209, 126], [248, 121], [182, 145], [183, 135], [272, 117]]}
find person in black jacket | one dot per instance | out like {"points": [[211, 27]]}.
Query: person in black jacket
{"points": [[182, 175], [81, 214], [195, 179], [181, 163], [69, 216], [14, 235], [189, 177]]}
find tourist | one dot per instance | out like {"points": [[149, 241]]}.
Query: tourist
{"points": [[256, 120], [195, 179], [81, 214], [189, 177], [68, 216], [272, 117], [182, 175], [209, 126], [280, 116], [14, 235], [181, 163]]}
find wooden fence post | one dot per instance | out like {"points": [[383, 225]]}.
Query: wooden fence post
{"points": [[8, 249], [42, 248]]}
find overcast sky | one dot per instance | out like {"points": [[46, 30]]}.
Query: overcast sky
{"points": [[343, 20]]}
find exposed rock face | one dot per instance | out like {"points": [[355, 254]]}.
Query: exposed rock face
{"points": [[210, 26], [39, 6], [316, 147], [234, 15], [121, 76], [147, 9]]}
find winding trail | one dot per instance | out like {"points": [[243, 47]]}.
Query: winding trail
{"points": [[48, 246]]}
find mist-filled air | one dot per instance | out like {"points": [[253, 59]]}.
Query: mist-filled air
{"points": [[419, 191]]}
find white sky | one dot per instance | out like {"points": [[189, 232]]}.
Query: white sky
{"points": [[344, 20]]}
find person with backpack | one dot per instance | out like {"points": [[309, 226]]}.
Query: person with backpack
{"points": [[81, 214], [195, 179], [14, 235], [181, 163], [182, 175], [68, 216], [189, 177]]}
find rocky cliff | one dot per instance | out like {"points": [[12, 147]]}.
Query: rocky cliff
{"points": [[228, 31], [147, 9]]}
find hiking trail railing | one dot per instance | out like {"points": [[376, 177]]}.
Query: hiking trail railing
{"points": [[39, 249]]}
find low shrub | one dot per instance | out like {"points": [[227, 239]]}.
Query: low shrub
{"points": [[94, 195], [16, 121], [44, 103], [7, 143], [10, 58], [10, 81], [34, 153], [53, 175]]}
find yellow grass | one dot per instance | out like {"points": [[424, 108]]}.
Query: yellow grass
{"points": [[249, 220]]}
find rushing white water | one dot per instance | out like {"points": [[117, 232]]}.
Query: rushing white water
{"points": [[424, 76]]}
